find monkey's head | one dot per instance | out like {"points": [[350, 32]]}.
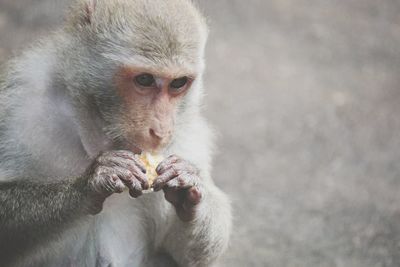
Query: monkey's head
{"points": [[138, 65]]}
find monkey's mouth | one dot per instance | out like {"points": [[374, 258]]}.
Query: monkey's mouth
{"points": [[128, 145], [135, 149]]}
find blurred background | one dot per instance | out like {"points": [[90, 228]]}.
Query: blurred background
{"points": [[305, 96]]}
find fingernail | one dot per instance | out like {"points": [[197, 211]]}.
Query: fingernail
{"points": [[156, 187], [146, 185], [135, 194]]}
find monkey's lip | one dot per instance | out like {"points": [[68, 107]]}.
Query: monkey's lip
{"points": [[126, 145], [135, 149], [147, 146]]}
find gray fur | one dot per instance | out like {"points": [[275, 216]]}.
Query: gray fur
{"points": [[57, 112]]}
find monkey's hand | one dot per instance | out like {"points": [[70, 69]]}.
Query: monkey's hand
{"points": [[112, 172], [181, 184]]}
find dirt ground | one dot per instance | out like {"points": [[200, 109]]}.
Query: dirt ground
{"points": [[305, 96]]}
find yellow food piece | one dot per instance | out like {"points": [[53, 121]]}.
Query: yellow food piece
{"points": [[150, 162]]}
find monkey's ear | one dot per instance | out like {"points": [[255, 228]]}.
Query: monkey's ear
{"points": [[82, 13]]}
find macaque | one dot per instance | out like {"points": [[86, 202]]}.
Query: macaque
{"points": [[120, 78]]}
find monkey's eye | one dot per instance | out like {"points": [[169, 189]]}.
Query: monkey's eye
{"points": [[145, 80], [179, 83]]}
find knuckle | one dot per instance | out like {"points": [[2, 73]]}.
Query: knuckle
{"points": [[173, 157], [133, 171], [175, 170], [126, 174], [127, 153], [160, 179], [114, 177], [164, 179], [130, 164], [181, 180], [172, 183]]}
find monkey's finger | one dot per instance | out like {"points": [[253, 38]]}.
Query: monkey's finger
{"points": [[133, 163], [177, 168], [118, 184], [113, 161], [162, 179], [180, 166], [116, 160], [141, 177], [183, 181], [135, 194], [127, 178], [126, 155], [187, 211], [171, 195], [136, 191], [110, 184], [137, 173], [166, 163], [193, 197], [106, 181]]}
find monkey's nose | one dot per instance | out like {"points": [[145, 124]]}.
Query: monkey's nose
{"points": [[156, 134]]}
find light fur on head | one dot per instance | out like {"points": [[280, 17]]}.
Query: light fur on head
{"points": [[162, 31]]}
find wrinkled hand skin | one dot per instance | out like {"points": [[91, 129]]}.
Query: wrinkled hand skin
{"points": [[110, 173], [181, 184]]}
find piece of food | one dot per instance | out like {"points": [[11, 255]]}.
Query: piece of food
{"points": [[150, 162]]}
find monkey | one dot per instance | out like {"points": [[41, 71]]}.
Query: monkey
{"points": [[120, 77]]}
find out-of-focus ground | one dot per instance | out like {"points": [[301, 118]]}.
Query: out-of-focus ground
{"points": [[306, 97]]}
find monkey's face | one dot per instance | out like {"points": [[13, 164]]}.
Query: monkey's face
{"points": [[137, 60], [150, 102]]}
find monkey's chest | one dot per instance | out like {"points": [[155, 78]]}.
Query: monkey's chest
{"points": [[126, 233], [128, 230]]}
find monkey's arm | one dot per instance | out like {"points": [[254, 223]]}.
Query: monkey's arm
{"points": [[198, 231], [30, 212], [201, 241], [30, 208]]}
